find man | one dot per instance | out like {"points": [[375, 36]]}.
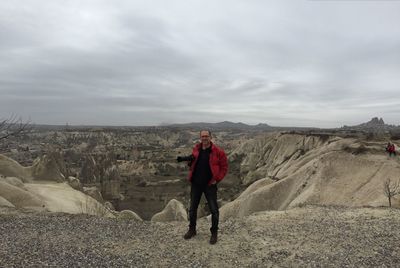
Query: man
{"points": [[391, 149], [208, 167]]}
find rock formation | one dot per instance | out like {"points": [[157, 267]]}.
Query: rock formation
{"points": [[173, 211], [128, 214], [18, 190], [11, 168], [302, 170], [75, 183], [15, 181], [93, 192], [272, 154], [5, 203], [49, 167], [18, 197]]}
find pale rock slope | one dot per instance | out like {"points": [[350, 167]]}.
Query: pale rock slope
{"points": [[292, 170], [11, 168], [40, 188], [128, 214], [61, 197], [48, 167], [173, 211]]}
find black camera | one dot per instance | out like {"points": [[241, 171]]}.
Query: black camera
{"points": [[189, 158]]}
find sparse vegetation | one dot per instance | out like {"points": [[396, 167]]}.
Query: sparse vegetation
{"points": [[361, 149], [391, 189], [13, 126]]}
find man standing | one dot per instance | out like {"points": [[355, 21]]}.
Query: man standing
{"points": [[208, 167], [391, 149]]}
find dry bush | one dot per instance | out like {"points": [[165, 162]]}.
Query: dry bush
{"points": [[391, 189], [355, 150], [13, 126]]}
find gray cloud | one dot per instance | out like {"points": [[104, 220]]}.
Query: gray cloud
{"points": [[296, 63]]}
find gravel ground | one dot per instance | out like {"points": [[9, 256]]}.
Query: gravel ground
{"points": [[302, 237]]}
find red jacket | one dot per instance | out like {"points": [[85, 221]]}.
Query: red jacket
{"points": [[218, 163], [392, 148]]}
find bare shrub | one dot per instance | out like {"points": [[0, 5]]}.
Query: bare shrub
{"points": [[390, 189], [13, 126]]}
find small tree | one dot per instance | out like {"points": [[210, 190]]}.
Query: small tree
{"points": [[12, 126], [390, 189]]}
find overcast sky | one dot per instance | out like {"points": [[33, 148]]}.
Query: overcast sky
{"points": [[321, 63]]}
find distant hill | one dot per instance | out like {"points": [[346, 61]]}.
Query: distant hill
{"points": [[376, 124], [223, 126]]}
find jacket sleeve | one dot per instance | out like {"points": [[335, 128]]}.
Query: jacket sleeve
{"points": [[191, 159], [223, 166]]}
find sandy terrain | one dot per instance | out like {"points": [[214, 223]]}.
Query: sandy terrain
{"points": [[301, 237]]}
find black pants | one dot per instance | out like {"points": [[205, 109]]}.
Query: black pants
{"points": [[210, 192]]}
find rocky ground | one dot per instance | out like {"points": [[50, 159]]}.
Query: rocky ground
{"points": [[301, 237]]}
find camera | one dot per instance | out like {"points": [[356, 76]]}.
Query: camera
{"points": [[185, 158]]}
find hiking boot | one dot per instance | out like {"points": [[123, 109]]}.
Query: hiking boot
{"points": [[213, 238], [190, 233]]}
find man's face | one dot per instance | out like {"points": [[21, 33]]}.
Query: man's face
{"points": [[205, 137]]}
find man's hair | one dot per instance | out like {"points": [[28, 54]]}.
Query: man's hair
{"points": [[209, 131]]}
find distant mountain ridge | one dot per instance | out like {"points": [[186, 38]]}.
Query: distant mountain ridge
{"points": [[375, 124], [224, 125]]}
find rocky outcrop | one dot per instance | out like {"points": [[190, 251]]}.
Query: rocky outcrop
{"points": [[128, 214], [75, 183], [374, 125], [273, 154], [93, 192], [14, 181], [375, 122], [173, 211], [109, 205], [60, 197], [49, 167], [11, 168], [19, 191], [19, 197], [333, 171], [5, 203]]}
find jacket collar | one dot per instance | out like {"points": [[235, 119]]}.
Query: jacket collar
{"points": [[199, 145]]}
